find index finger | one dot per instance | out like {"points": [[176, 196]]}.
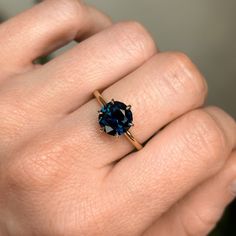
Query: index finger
{"points": [[44, 28]]}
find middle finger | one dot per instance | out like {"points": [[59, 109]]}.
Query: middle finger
{"points": [[95, 63]]}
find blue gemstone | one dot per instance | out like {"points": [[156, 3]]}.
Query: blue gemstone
{"points": [[115, 118]]}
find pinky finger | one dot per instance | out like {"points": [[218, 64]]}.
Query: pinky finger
{"points": [[198, 213]]}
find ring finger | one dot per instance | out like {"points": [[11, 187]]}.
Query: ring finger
{"points": [[165, 87], [161, 90]]}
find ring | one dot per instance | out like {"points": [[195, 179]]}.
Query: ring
{"points": [[115, 118]]}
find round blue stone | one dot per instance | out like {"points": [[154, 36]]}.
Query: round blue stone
{"points": [[115, 118]]}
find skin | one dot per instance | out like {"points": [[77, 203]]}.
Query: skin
{"points": [[59, 175]]}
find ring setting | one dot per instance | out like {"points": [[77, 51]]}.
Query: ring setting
{"points": [[115, 118]]}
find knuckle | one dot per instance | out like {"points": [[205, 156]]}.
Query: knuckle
{"points": [[135, 38], [201, 222], [183, 74], [71, 4], [206, 138], [35, 168], [222, 118], [72, 11]]}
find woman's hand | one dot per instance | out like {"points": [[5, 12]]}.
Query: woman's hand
{"points": [[59, 175]]}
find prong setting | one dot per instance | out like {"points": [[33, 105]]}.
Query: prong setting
{"points": [[115, 118], [128, 107]]}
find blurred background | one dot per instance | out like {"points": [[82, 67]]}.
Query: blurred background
{"points": [[204, 29]]}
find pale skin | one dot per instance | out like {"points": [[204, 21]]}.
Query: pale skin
{"points": [[59, 175]]}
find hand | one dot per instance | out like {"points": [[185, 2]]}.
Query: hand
{"points": [[59, 175]]}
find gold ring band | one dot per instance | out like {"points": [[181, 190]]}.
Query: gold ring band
{"points": [[127, 134]]}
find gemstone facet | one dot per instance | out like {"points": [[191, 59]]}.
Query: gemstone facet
{"points": [[115, 118]]}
